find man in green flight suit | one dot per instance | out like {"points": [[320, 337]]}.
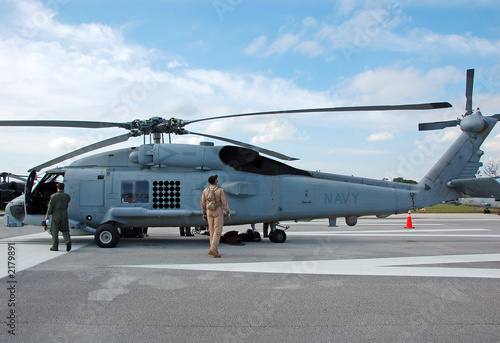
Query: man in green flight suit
{"points": [[58, 208]]}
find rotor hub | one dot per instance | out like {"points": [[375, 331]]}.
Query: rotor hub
{"points": [[157, 125]]}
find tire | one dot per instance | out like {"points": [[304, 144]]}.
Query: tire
{"points": [[130, 232], [277, 236], [107, 236]]}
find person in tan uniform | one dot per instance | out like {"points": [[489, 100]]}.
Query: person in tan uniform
{"points": [[213, 199]]}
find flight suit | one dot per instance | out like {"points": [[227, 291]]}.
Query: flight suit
{"points": [[58, 208], [215, 217]]}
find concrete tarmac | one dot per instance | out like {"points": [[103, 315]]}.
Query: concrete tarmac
{"points": [[376, 282]]}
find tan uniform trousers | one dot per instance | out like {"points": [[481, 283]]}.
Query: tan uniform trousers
{"points": [[215, 223]]}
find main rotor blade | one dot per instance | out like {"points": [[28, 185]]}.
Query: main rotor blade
{"points": [[468, 91], [5, 175], [424, 106], [64, 123], [249, 146], [438, 125], [88, 148]]}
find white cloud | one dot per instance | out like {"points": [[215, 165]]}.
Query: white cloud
{"points": [[309, 22], [311, 48], [256, 46], [380, 136], [58, 70], [393, 85], [492, 145], [283, 44], [443, 136], [424, 40], [63, 144], [176, 64], [373, 26], [278, 129], [357, 152]]}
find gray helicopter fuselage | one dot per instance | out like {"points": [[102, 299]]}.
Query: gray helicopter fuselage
{"points": [[161, 185]]}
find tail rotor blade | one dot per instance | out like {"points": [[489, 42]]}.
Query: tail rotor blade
{"points": [[468, 91], [438, 125]]}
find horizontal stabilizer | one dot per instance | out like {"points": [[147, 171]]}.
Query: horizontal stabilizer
{"points": [[482, 187]]}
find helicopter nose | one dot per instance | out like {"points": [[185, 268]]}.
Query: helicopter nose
{"points": [[14, 212]]}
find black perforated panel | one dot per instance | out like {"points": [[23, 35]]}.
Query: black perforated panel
{"points": [[166, 194]]}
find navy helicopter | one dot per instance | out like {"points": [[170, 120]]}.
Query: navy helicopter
{"points": [[10, 189], [484, 203], [160, 185]]}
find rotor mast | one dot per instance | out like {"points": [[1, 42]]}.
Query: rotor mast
{"points": [[157, 137]]}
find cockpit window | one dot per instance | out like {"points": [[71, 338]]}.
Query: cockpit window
{"points": [[38, 197], [250, 161]]}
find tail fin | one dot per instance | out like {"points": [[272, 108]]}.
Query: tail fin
{"points": [[461, 161]]}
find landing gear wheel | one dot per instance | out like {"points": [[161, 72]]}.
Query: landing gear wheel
{"points": [[277, 236], [130, 232], [107, 236]]}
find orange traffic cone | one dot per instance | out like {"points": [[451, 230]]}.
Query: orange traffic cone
{"points": [[409, 224]]}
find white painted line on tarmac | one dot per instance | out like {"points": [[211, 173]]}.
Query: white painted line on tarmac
{"points": [[392, 266], [386, 231], [420, 235], [361, 223], [388, 234], [399, 233], [29, 250]]}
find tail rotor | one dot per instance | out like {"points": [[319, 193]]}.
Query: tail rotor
{"points": [[471, 122]]}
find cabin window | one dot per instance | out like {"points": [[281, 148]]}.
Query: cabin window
{"points": [[135, 192]]}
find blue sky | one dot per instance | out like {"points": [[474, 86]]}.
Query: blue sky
{"points": [[122, 60]]}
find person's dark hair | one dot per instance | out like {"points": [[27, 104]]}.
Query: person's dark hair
{"points": [[212, 179], [60, 186]]}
